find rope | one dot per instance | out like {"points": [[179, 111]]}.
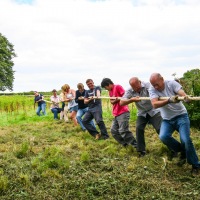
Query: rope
{"points": [[148, 98], [140, 98], [47, 101]]}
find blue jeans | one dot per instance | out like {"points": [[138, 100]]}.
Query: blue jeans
{"points": [[55, 112], [41, 107], [79, 116], [181, 124]]}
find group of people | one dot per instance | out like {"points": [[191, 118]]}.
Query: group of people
{"points": [[166, 115]]}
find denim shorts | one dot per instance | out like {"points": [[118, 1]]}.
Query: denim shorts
{"points": [[75, 108]]}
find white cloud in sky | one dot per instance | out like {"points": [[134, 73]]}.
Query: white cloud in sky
{"points": [[59, 41]]}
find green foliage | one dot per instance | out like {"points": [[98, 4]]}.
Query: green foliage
{"points": [[191, 85], [6, 72]]}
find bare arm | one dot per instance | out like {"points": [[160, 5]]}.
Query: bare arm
{"points": [[157, 103], [124, 102], [181, 93], [114, 101]]}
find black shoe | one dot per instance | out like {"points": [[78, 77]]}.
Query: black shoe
{"points": [[195, 171], [134, 143], [125, 145], [141, 154], [104, 137], [182, 159], [172, 154]]}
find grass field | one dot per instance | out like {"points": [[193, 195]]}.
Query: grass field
{"points": [[45, 159]]}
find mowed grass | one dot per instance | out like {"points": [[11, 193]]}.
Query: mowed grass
{"points": [[45, 159]]}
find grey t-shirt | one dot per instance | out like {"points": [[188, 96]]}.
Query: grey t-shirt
{"points": [[143, 106], [171, 110]]}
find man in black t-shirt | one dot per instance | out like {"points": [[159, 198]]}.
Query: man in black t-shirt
{"points": [[94, 111], [82, 107], [39, 99]]}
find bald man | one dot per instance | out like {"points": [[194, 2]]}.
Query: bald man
{"points": [[175, 118], [146, 113]]}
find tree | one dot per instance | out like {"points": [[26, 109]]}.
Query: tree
{"points": [[191, 84], [6, 64]]}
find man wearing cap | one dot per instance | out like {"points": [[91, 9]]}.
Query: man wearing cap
{"points": [[39, 99]]}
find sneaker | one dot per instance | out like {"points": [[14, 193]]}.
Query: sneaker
{"points": [[106, 137], [182, 159], [97, 137], [141, 154], [134, 143], [125, 145], [172, 154], [195, 171]]}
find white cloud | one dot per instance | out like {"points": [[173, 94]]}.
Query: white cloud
{"points": [[59, 41]]}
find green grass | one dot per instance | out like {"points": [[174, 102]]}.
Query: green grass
{"points": [[45, 159]]}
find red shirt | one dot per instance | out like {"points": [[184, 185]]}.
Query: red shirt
{"points": [[118, 91]]}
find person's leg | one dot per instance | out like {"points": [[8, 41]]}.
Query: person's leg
{"points": [[141, 123], [166, 130], [59, 110], [72, 115], [124, 131], [115, 132], [183, 126], [99, 120], [55, 112], [86, 122], [156, 121], [62, 112], [43, 106], [92, 123], [79, 115], [38, 110], [66, 113]]}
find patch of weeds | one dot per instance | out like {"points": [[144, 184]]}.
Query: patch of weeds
{"points": [[22, 152], [85, 157], [51, 158], [51, 173], [74, 146], [24, 179], [3, 183], [110, 150]]}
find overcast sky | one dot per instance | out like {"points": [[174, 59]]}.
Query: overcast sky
{"points": [[69, 41]]}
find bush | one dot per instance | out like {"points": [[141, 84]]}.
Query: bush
{"points": [[191, 85]]}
